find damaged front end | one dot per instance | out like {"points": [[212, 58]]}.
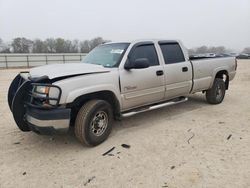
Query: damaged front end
{"points": [[34, 103]]}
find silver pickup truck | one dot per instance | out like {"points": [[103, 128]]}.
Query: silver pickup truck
{"points": [[114, 80]]}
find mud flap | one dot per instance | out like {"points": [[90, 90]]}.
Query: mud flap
{"points": [[13, 89], [18, 105]]}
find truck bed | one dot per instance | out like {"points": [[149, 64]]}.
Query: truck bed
{"points": [[204, 70]]}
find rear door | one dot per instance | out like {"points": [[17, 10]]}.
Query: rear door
{"points": [[178, 71], [142, 86]]}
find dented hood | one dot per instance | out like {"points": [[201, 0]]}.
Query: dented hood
{"points": [[70, 69]]}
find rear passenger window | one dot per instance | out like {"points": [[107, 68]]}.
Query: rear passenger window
{"points": [[145, 51], [172, 53]]}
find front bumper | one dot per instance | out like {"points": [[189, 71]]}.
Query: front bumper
{"points": [[29, 112], [46, 121]]}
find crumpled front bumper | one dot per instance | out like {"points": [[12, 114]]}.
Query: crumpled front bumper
{"points": [[32, 117]]}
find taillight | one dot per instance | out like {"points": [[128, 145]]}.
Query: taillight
{"points": [[236, 63]]}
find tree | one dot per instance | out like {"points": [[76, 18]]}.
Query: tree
{"points": [[246, 50], [95, 42], [71, 46], [217, 50], [85, 46], [39, 46], [1, 45], [74, 48], [202, 49], [50, 45], [60, 45], [21, 45], [191, 51], [205, 49]]}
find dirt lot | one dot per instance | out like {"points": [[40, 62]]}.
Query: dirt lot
{"points": [[192, 144]]}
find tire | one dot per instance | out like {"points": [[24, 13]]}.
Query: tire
{"points": [[93, 122], [216, 94]]}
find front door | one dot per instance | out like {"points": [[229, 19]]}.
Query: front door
{"points": [[142, 86]]}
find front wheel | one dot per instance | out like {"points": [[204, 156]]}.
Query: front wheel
{"points": [[94, 122], [216, 94]]}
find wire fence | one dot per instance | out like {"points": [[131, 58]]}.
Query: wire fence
{"points": [[33, 60]]}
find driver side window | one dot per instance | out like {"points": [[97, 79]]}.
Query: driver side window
{"points": [[145, 51]]}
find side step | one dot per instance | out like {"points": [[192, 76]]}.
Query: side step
{"points": [[153, 107]]}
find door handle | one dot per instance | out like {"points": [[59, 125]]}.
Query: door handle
{"points": [[159, 72], [184, 69]]}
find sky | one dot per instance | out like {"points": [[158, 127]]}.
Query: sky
{"points": [[195, 22]]}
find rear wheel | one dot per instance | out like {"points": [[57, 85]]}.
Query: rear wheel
{"points": [[216, 94], [94, 122]]}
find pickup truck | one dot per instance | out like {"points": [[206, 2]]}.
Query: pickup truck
{"points": [[113, 81]]}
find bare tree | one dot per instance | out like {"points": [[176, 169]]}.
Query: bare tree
{"points": [[39, 46], [4, 47], [205, 49], [71, 46], [21, 45], [191, 51], [201, 50], [246, 50], [95, 42], [60, 45], [50, 45], [85, 46], [74, 46]]}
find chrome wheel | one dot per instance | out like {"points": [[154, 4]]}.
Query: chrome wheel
{"points": [[99, 123]]}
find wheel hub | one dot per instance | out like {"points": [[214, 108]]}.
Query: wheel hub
{"points": [[99, 123]]}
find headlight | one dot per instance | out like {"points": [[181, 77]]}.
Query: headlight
{"points": [[42, 89], [46, 94]]}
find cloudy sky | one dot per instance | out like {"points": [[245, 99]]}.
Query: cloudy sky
{"points": [[195, 22]]}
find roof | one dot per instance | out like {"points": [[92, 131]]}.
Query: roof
{"points": [[143, 40]]}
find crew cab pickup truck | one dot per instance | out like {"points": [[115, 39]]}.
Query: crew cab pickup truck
{"points": [[114, 80]]}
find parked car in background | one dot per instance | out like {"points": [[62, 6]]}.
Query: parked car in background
{"points": [[243, 56]]}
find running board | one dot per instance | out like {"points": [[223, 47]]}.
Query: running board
{"points": [[153, 107]]}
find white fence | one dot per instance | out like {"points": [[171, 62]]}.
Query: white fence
{"points": [[32, 60]]}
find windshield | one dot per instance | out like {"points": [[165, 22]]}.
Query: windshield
{"points": [[108, 55]]}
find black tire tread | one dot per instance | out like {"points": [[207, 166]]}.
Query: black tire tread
{"points": [[81, 118], [211, 95]]}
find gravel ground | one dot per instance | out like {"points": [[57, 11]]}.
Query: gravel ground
{"points": [[192, 144]]}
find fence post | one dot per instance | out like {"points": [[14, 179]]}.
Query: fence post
{"points": [[6, 62], [63, 58], [46, 59], [28, 63]]}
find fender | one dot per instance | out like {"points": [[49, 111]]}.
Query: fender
{"points": [[224, 68], [83, 91]]}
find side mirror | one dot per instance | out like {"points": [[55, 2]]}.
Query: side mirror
{"points": [[140, 63]]}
